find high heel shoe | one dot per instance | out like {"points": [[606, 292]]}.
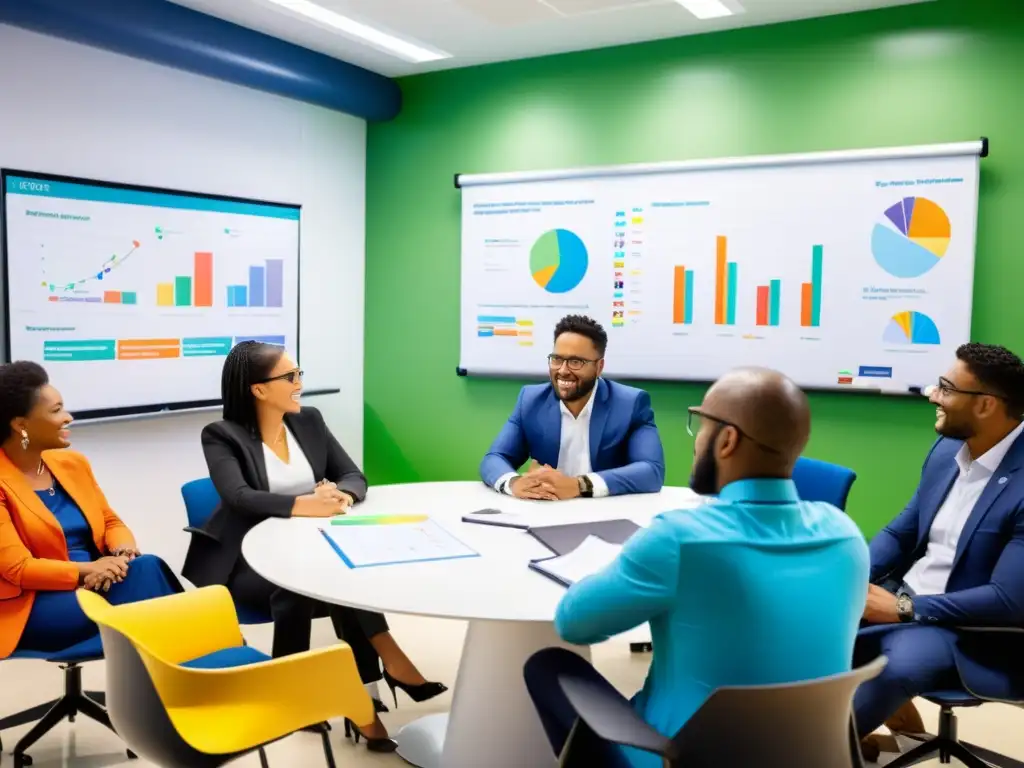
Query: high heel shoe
{"points": [[385, 744], [380, 707], [418, 693]]}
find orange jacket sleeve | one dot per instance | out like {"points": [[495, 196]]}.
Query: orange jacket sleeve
{"points": [[20, 571], [115, 533]]}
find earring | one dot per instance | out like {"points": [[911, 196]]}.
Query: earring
{"points": [[24, 440]]}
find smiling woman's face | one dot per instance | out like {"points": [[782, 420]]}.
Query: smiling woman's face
{"points": [[46, 424], [281, 390]]}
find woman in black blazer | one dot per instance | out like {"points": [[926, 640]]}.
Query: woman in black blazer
{"points": [[271, 458]]}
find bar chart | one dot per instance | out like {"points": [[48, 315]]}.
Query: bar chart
{"points": [[726, 278], [195, 290], [769, 298], [810, 293], [264, 289], [682, 296]]}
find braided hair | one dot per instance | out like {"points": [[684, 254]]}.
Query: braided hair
{"points": [[248, 363]]}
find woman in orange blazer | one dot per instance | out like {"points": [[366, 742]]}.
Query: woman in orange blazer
{"points": [[57, 531]]}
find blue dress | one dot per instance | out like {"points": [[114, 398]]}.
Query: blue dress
{"points": [[56, 621]]}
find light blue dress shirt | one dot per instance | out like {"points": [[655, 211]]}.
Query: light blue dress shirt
{"points": [[753, 588]]}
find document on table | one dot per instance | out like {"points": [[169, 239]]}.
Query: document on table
{"points": [[593, 555], [389, 543]]}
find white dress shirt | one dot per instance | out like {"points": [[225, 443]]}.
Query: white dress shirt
{"points": [[928, 576], [573, 449], [294, 478]]}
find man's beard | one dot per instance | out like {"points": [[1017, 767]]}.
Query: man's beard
{"points": [[704, 477], [582, 389]]}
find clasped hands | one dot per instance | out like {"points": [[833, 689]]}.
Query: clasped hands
{"points": [[542, 483], [325, 501], [99, 575]]}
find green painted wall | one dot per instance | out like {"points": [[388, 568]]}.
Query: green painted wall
{"points": [[950, 70]]}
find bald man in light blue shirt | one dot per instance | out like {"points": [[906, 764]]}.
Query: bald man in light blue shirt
{"points": [[755, 587]]}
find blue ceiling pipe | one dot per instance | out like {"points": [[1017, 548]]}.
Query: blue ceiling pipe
{"points": [[169, 34]]}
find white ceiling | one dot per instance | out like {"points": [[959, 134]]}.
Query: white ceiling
{"points": [[480, 31]]}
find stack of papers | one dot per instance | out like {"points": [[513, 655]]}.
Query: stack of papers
{"points": [[367, 541], [590, 557]]}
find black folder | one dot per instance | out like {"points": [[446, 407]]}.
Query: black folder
{"points": [[562, 539]]}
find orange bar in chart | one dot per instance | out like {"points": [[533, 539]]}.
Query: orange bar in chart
{"points": [[762, 305], [806, 302], [721, 280], [203, 281], [506, 332], [679, 295], [148, 349], [111, 297]]}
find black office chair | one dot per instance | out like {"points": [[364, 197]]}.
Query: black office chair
{"points": [[808, 723], [947, 743]]}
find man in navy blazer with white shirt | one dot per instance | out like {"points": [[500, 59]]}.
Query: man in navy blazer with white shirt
{"points": [[954, 557], [586, 436]]}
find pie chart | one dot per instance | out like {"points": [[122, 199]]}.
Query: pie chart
{"points": [[912, 238], [911, 328], [558, 261]]}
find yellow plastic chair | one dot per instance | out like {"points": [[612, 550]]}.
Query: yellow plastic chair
{"points": [[184, 691]]}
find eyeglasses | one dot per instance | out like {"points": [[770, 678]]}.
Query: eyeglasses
{"points": [[694, 416], [574, 363], [945, 388], [292, 377]]}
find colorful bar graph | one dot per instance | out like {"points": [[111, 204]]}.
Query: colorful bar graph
{"points": [[730, 309], [810, 293], [774, 302], [256, 286], [721, 280], [203, 274], [275, 283], [763, 299], [183, 291], [682, 296], [165, 294]]}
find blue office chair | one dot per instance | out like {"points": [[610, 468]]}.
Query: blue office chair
{"points": [[201, 499], [75, 701], [823, 481]]}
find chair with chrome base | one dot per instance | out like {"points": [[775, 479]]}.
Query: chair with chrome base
{"points": [[184, 691], [808, 723], [75, 701]]}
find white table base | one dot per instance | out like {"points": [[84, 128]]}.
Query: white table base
{"points": [[493, 721]]}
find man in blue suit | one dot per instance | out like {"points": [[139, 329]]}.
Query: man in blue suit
{"points": [[586, 436], [955, 556]]}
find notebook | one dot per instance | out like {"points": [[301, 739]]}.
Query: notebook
{"points": [[592, 555], [562, 539]]}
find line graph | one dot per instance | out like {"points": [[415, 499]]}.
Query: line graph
{"points": [[62, 286]]}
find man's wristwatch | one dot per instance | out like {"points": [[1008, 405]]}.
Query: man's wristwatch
{"points": [[905, 607], [586, 487]]}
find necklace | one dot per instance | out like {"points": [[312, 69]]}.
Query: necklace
{"points": [[52, 490]]}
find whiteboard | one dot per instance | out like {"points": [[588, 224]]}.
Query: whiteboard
{"points": [[132, 297], [844, 270]]}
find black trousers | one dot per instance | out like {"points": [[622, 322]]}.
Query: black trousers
{"points": [[556, 713], [293, 619]]}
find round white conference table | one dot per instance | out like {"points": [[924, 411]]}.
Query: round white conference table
{"points": [[510, 608]]}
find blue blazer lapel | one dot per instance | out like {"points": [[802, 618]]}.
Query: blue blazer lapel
{"points": [[598, 421], [996, 485], [551, 431]]}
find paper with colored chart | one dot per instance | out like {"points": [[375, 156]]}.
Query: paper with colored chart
{"points": [[363, 541]]}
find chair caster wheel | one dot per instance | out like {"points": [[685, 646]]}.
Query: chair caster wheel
{"points": [[131, 755], [22, 761], [641, 647]]}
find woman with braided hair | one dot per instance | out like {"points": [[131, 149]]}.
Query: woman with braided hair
{"points": [[270, 457]]}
